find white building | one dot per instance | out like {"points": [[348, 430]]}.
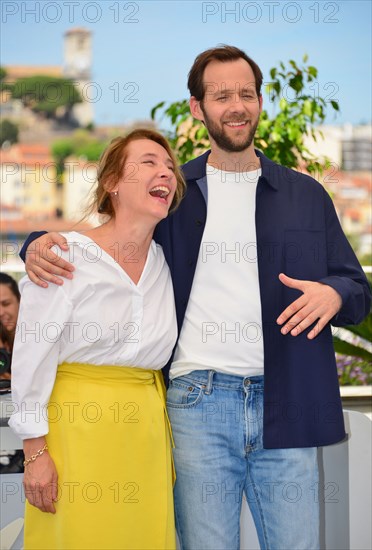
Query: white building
{"points": [[78, 67], [79, 180], [348, 147]]}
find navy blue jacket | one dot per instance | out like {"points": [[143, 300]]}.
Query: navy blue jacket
{"points": [[298, 233]]}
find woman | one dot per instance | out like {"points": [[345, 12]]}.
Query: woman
{"points": [[9, 305], [98, 467]]}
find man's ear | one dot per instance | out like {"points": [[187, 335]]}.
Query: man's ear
{"points": [[195, 109], [260, 101]]}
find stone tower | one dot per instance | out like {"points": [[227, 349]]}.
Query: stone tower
{"points": [[77, 67]]}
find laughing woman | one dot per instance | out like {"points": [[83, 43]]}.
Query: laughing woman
{"points": [[87, 387]]}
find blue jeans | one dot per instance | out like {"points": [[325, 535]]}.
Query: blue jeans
{"points": [[217, 428]]}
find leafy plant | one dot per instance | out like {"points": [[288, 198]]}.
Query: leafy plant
{"points": [[362, 336]]}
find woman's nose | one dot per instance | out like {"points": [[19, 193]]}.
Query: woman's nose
{"points": [[166, 171]]}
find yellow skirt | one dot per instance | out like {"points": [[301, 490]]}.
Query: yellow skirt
{"points": [[110, 439]]}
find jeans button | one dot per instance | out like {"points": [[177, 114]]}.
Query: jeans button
{"points": [[247, 382]]}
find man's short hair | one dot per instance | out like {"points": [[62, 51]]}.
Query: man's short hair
{"points": [[224, 54]]}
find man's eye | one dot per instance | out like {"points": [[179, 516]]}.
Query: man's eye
{"points": [[222, 98], [148, 162]]}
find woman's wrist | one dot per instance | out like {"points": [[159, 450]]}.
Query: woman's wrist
{"points": [[32, 447]]}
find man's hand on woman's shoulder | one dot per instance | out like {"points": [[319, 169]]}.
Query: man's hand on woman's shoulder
{"points": [[43, 265]]}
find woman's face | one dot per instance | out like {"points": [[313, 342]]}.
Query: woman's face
{"points": [[148, 183], [9, 307]]}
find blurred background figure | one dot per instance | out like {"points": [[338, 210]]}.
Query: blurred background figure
{"points": [[6, 343], [9, 304], [9, 307], [10, 461]]}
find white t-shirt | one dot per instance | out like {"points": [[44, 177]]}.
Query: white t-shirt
{"points": [[99, 317], [222, 329]]}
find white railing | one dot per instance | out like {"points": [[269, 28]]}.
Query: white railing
{"points": [[344, 495]]}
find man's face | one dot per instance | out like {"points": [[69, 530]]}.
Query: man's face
{"points": [[231, 108]]}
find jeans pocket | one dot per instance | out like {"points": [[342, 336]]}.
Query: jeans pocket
{"points": [[183, 395]]}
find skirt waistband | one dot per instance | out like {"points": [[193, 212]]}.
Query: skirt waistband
{"points": [[113, 372]]}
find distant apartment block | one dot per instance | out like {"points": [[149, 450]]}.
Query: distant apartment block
{"points": [[349, 147], [29, 180], [357, 149]]}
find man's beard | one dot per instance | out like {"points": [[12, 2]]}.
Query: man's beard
{"points": [[223, 141]]}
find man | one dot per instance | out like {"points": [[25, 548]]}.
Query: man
{"points": [[260, 268]]}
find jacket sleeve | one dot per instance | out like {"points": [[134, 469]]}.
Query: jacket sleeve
{"points": [[32, 237], [345, 273]]}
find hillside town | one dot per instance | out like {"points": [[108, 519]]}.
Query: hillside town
{"points": [[38, 192]]}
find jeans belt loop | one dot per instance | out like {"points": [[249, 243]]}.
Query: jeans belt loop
{"points": [[209, 386]]}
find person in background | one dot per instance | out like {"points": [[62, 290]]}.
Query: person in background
{"points": [[98, 458], [6, 346], [10, 461], [9, 305], [261, 269]]}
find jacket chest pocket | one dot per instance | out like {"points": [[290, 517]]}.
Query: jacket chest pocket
{"points": [[305, 254]]}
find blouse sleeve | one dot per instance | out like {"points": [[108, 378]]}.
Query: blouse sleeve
{"points": [[41, 320]]}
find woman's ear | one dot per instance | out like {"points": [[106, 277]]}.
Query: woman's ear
{"points": [[111, 186]]}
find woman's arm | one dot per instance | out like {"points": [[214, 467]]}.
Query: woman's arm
{"points": [[42, 318], [40, 479]]}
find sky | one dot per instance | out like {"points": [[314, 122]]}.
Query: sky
{"points": [[143, 50]]}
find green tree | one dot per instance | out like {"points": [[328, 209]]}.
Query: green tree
{"points": [[8, 131], [47, 94], [295, 113], [4, 85], [81, 144]]}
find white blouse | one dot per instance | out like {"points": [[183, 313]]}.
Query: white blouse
{"points": [[100, 317]]}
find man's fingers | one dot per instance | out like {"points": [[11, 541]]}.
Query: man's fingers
{"points": [[59, 263], [44, 271], [35, 279], [57, 268], [318, 303], [48, 260], [299, 326], [59, 240], [291, 283], [318, 327], [39, 274], [291, 310]]}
